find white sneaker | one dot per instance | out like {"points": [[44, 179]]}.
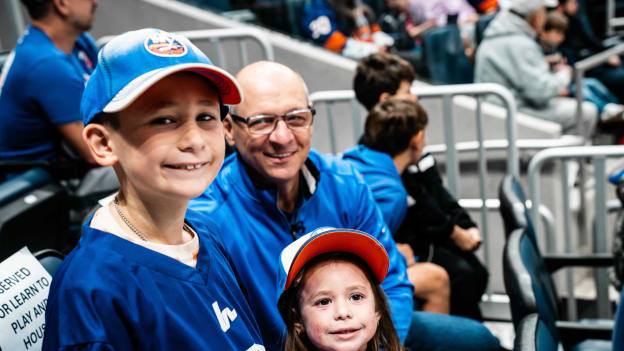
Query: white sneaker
{"points": [[612, 113]]}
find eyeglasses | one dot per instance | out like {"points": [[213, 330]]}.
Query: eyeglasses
{"points": [[265, 124]]}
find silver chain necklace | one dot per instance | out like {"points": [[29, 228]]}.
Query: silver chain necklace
{"points": [[133, 228]]}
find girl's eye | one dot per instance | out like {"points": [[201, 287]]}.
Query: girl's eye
{"points": [[323, 302], [162, 121], [356, 297]]}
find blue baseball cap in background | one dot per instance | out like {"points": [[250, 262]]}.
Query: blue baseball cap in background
{"points": [[132, 62]]}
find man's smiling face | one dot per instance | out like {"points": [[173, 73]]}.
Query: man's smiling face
{"points": [[278, 156]]}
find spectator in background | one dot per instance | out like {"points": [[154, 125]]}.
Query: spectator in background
{"points": [[42, 82], [435, 226], [581, 42], [344, 26], [510, 55], [382, 171], [440, 11], [592, 89], [484, 6]]}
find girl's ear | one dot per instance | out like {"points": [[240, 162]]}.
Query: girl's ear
{"points": [[298, 325], [298, 328], [98, 138]]}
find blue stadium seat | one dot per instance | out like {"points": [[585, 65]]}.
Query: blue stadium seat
{"points": [[513, 206], [529, 285], [50, 260], [33, 212], [533, 335]]}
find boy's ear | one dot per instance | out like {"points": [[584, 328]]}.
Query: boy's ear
{"points": [[416, 140], [384, 96], [60, 6], [98, 139], [227, 127]]}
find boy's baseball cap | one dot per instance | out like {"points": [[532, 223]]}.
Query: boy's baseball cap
{"points": [[327, 239], [132, 62]]}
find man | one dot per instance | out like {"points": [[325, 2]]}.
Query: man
{"points": [[43, 79], [275, 189], [510, 55], [435, 226]]}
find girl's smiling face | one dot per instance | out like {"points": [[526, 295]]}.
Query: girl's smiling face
{"points": [[337, 306]]}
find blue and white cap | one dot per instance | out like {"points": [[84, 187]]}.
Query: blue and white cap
{"points": [[132, 62]]}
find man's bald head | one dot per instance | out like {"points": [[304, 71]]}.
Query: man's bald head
{"points": [[266, 76]]}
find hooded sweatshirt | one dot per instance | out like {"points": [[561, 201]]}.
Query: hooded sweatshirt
{"points": [[510, 55]]}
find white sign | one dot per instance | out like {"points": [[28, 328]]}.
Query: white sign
{"points": [[24, 286]]}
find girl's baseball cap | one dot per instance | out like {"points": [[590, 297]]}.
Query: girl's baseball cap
{"points": [[327, 239], [132, 62]]}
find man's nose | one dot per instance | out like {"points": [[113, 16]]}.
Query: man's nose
{"points": [[282, 134]]}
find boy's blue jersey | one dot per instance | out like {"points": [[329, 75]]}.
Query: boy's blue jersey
{"points": [[254, 231], [384, 180], [40, 89], [111, 294]]}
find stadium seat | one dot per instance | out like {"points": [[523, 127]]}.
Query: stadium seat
{"points": [[530, 288], [444, 53], [50, 260], [533, 335], [513, 206], [33, 213]]}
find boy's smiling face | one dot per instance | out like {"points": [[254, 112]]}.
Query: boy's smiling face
{"points": [[170, 141]]}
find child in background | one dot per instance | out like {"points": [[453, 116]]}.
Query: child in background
{"points": [[344, 26], [332, 298], [593, 90], [143, 277]]}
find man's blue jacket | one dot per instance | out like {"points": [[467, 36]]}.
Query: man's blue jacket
{"points": [[254, 232]]}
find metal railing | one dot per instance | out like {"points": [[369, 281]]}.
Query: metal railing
{"points": [[216, 36], [612, 21], [446, 93], [597, 155], [15, 15]]}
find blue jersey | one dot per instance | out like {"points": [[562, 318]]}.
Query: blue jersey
{"points": [[254, 231], [40, 88], [111, 294], [384, 180]]}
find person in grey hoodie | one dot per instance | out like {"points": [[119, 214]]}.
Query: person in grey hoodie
{"points": [[510, 55]]}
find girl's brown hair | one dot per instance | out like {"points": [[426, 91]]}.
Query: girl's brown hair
{"points": [[385, 337]]}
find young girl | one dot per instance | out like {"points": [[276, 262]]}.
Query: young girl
{"points": [[332, 299]]}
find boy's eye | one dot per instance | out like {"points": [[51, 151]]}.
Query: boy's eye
{"points": [[162, 121], [205, 117], [323, 302], [356, 297]]}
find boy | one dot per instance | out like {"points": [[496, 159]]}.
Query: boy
{"points": [[445, 236], [593, 90], [143, 277]]}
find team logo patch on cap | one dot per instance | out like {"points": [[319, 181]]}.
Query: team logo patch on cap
{"points": [[165, 45]]}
